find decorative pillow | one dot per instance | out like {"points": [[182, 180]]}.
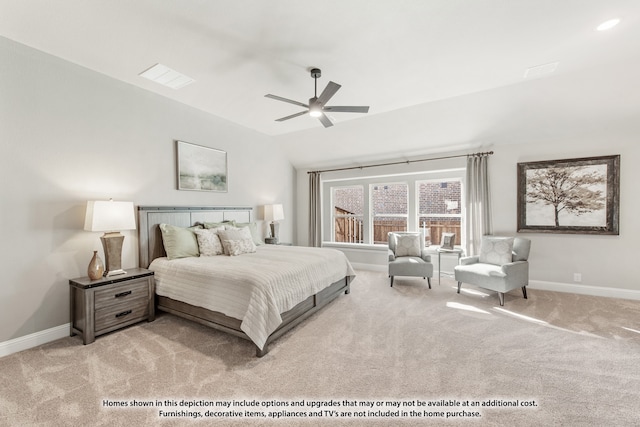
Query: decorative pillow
{"points": [[208, 241], [224, 224], [234, 234], [239, 247], [179, 242], [496, 250], [407, 245], [253, 229]]}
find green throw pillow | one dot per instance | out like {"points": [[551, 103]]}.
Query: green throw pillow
{"points": [[179, 242]]}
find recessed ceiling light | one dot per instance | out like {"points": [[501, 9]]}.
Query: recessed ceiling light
{"points": [[607, 25], [166, 76]]}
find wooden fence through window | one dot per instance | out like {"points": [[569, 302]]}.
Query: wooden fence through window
{"points": [[349, 229]]}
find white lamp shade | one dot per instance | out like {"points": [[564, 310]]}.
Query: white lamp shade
{"points": [[273, 212], [109, 216]]}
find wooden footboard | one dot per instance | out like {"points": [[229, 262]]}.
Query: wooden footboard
{"points": [[231, 325]]}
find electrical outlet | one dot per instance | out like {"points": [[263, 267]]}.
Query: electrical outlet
{"points": [[577, 277]]}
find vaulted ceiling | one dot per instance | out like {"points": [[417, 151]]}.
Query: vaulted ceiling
{"points": [[394, 55]]}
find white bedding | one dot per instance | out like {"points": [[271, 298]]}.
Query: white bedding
{"points": [[256, 287]]}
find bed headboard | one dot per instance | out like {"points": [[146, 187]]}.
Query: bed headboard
{"points": [[150, 218]]}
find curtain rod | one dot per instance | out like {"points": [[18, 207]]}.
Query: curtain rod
{"points": [[487, 153]]}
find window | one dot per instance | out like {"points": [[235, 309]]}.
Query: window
{"points": [[364, 209], [347, 213], [440, 209], [389, 210]]}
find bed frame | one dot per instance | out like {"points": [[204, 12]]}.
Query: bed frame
{"points": [[150, 247]]}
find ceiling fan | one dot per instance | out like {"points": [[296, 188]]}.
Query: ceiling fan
{"points": [[316, 106]]}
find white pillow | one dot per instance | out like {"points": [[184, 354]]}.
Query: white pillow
{"points": [[408, 244], [253, 229], [209, 242], [239, 247], [234, 234], [496, 250]]}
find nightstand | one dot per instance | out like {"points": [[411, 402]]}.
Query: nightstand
{"points": [[272, 241], [110, 303]]}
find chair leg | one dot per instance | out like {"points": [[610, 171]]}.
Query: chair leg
{"points": [[501, 298], [391, 281], [429, 282], [524, 292], [459, 285]]}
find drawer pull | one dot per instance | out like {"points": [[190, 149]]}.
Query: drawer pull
{"points": [[123, 294], [124, 313]]}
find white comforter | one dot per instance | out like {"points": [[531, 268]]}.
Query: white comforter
{"points": [[255, 287]]}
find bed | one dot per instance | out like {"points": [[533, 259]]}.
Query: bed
{"points": [[256, 296]]}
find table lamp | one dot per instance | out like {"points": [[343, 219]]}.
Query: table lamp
{"points": [[273, 213], [110, 217]]}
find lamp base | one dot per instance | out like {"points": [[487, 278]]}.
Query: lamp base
{"points": [[274, 229], [112, 245]]}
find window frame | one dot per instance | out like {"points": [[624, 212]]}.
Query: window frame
{"points": [[351, 178]]}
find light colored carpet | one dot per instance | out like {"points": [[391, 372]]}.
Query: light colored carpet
{"points": [[576, 356]]}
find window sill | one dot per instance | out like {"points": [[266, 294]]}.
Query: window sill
{"points": [[356, 246]]}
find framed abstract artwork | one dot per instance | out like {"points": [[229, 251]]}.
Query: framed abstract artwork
{"points": [[447, 241], [201, 168], [580, 196]]}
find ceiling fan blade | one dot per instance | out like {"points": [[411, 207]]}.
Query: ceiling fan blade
{"points": [[292, 116], [347, 109], [328, 92], [325, 120], [290, 101]]}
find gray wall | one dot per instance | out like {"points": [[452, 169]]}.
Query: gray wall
{"points": [[69, 135]]}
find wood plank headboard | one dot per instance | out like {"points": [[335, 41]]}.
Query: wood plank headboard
{"points": [[150, 218]]}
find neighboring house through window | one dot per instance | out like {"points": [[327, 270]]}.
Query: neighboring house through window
{"points": [[364, 210]]}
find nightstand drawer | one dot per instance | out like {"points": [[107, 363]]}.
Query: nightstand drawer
{"points": [[127, 311], [120, 293], [103, 305]]}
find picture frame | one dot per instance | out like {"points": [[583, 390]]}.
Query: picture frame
{"points": [[201, 168], [576, 196], [447, 241]]}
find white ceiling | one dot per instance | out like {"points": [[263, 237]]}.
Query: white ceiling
{"points": [[388, 54]]}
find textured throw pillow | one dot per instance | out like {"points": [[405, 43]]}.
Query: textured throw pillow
{"points": [[234, 234], [239, 247], [496, 250], [208, 242], [223, 224], [407, 245], [179, 242], [253, 229]]}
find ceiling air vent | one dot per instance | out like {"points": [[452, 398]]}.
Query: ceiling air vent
{"points": [[166, 76], [540, 70]]}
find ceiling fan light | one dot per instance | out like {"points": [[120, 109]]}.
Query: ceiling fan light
{"points": [[315, 111]]}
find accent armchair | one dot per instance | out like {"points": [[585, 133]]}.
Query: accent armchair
{"points": [[407, 256], [501, 266]]}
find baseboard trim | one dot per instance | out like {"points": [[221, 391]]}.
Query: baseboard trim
{"points": [[33, 340], [597, 291]]}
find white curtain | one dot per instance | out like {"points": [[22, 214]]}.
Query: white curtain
{"points": [[315, 234], [478, 202]]}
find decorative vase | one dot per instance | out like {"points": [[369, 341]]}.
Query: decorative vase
{"points": [[96, 267]]}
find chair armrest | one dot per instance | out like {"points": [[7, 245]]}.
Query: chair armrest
{"points": [[391, 255], [425, 256], [469, 260], [516, 267]]}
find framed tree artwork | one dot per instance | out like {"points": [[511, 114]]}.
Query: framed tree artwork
{"points": [[580, 196]]}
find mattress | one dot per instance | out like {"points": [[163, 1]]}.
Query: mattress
{"points": [[255, 287]]}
